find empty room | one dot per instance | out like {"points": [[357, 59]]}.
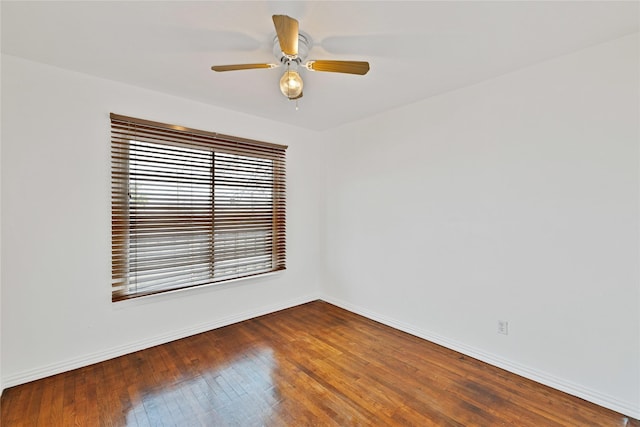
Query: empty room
{"points": [[247, 213]]}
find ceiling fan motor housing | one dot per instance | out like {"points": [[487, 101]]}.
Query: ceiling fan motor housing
{"points": [[304, 44]]}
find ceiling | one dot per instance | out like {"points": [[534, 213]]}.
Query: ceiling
{"points": [[416, 49]]}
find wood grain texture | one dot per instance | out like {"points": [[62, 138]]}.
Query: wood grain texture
{"points": [[236, 67], [349, 67], [287, 31], [313, 364]]}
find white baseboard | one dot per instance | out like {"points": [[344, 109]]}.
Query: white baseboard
{"points": [[101, 356], [627, 408]]}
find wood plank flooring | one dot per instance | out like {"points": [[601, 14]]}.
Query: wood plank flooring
{"points": [[314, 364]]}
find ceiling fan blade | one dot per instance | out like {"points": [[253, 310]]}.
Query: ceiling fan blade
{"points": [[241, 67], [350, 67], [287, 31]]}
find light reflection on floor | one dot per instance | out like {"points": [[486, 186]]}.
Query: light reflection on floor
{"points": [[238, 392]]}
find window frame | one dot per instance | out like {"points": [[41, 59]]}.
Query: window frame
{"points": [[255, 170]]}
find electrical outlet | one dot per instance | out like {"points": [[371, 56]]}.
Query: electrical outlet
{"points": [[503, 327]]}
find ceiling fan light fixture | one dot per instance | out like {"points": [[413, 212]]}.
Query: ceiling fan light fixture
{"points": [[290, 47], [291, 84]]}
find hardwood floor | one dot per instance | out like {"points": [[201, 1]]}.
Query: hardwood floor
{"points": [[314, 364]]}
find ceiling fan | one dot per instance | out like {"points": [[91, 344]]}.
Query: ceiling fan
{"points": [[291, 48]]}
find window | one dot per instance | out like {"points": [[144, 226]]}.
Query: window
{"points": [[191, 207]]}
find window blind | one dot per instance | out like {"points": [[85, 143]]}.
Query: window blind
{"points": [[191, 207]]}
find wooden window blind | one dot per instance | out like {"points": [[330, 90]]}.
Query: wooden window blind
{"points": [[192, 207]]}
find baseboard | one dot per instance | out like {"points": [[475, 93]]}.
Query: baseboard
{"points": [[626, 408], [101, 356]]}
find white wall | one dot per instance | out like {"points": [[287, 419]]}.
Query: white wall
{"points": [[56, 300], [1, 381], [514, 199]]}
